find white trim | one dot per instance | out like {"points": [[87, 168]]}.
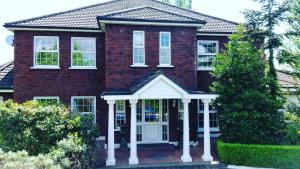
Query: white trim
{"points": [[82, 68], [46, 97], [45, 67], [100, 138], [35, 66], [94, 52], [149, 23], [51, 30], [208, 54], [138, 65], [169, 48], [85, 97], [6, 90], [214, 34], [140, 47], [166, 66]]}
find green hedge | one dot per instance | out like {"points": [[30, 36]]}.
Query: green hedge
{"points": [[273, 156]]}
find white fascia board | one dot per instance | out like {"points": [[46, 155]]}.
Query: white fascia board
{"points": [[12, 29], [204, 96], [213, 34]]}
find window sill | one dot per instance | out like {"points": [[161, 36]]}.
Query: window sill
{"points": [[166, 66], [83, 68], [139, 66], [205, 69], [41, 67]]}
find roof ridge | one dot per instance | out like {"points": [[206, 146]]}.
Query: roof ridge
{"points": [[59, 13], [196, 12], [5, 65], [145, 6]]}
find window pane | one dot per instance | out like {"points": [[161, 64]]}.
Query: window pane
{"points": [[151, 110], [83, 105], [138, 55], [165, 40], [120, 113], [1, 99], [213, 116], [46, 51], [47, 100], [138, 39], [84, 52], [206, 53]]}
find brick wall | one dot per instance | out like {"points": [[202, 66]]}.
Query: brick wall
{"points": [[63, 82], [204, 79], [119, 74]]}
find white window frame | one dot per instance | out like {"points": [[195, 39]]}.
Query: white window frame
{"points": [[72, 51], [208, 54], [141, 47], [85, 97], [212, 129], [35, 66], [161, 47], [1, 99], [46, 97], [118, 128]]}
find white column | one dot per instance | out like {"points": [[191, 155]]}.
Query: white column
{"points": [[207, 155], [186, 157], [111, 161], [133, 148]]}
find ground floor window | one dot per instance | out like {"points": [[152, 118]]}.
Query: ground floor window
{"points": [[84, 105], [1, 99], [213, 117], [180, 110], [120, 114], [47, 99]]}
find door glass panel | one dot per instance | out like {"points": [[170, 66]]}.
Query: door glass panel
{"points": [[165, 133], [139, 111], [165, 110], [151, 110], [139, 132]]}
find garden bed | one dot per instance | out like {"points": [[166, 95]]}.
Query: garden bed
{"points": [[272, 156]]}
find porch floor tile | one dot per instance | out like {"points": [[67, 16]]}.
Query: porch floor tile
{"points": [[157, 154]]}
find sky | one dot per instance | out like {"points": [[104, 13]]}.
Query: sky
{"points": [[14, 10]]}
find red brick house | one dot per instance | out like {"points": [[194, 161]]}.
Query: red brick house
{"points": [[142, 64]]}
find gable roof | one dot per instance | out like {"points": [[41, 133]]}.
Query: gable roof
{"points": [[85, 18], [6, 76], [286, 80]]}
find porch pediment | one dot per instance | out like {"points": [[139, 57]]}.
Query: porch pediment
{"points": [[159, 88]]}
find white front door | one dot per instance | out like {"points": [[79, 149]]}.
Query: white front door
{"points": [[152, 121]]}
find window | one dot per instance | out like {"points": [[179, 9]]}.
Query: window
{"points": [[180, 110], [120, 113], [46, 51], [1, 99], [138, 48], [165, 48], [83, 52], [213, 117], [207, 50], [47, 100], [84, 105]]}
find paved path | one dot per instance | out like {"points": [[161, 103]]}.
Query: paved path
{"points": [[242, 167]]}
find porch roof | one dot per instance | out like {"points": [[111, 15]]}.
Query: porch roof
{"points": [[156, 84]]}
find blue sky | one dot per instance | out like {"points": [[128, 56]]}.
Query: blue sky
{"points": [[13, 10]]}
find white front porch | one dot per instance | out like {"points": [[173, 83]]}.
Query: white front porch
{"points": [[154, 124]]}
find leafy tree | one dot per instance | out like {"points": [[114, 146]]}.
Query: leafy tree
{"points": [[261, 26], [181, 3], [247, 110], [291, 54]]}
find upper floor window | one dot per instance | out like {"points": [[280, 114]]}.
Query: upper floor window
{"points": [[120, 113], [83, 52], [46, 51], [207, 50], [47, 100], [84, 105], [138, 48], [165, 48]]}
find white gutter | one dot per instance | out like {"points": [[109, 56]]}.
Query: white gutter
{"points": [[6, 90], [48, 29]]}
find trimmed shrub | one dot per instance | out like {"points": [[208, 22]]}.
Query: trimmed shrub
{"points": [[274, 156]]}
